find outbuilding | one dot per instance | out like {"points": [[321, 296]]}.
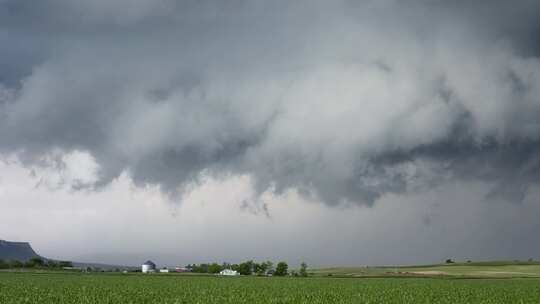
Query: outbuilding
{"points": [[228, 272]]}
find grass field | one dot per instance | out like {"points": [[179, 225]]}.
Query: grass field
{"points": [[115, 288], [503, 269]]}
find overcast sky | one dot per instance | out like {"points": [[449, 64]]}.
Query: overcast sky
{"points": [[332, 132]]}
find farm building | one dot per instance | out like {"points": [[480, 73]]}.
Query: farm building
{"points": [[148, 266], [164, 270], [229, 272]]}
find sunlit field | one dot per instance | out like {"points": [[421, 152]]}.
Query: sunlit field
{"points": [[494, 269], [137, 288]]}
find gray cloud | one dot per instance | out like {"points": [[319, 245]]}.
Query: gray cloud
{"points": [[344, 101]]}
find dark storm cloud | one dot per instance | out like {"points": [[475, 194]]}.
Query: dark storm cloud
{"points": [[344, 101]]}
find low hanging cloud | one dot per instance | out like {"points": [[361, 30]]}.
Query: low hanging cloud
{"points": [[344, 101]]}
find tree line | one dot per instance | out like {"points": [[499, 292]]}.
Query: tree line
{"points": [[35, 262], [250, 268]]}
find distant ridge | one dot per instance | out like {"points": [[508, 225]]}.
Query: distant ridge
{"points": [[23, 252], [20, 251]]}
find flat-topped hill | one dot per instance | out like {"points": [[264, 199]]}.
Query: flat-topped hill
{"points": [[23, 252], [20, 251]]}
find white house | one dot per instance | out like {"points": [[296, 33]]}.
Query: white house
{"points": [[148, 266], [228, 272], [164, 270]]}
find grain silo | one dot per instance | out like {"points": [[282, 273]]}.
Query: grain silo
{"points": [[148, 266]]}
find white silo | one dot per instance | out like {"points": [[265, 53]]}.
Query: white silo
{"points": [[148, 266]]}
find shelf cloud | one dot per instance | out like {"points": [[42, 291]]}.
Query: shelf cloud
{"points": [[343, 101]]}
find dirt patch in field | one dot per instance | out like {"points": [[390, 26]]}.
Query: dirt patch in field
{"points": [[503, 272], [429, 272]]}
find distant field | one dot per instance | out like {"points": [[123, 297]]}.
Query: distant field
{"points": [[138, 288], [482, 269]]}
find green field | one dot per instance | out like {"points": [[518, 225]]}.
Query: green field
{"points": [[115, 288], [503, 269]]}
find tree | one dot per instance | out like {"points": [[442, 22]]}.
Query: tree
{"points": [[269, 266], [52, 264], [262, 268], [265, 267], [245, 268], [214, 268], [15, 264], [303, 270], [65, 264], [257, 268], [36, 262], [29, 264], [449, 261], [3, 265], [202, 268], [281, 269]]}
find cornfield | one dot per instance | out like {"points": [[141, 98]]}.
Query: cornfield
{"points": [[73, 288]]}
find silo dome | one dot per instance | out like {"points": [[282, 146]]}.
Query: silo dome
{"points": [[148, 266]]}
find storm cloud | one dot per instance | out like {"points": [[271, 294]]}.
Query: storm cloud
{"points": [[343, 101]]}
